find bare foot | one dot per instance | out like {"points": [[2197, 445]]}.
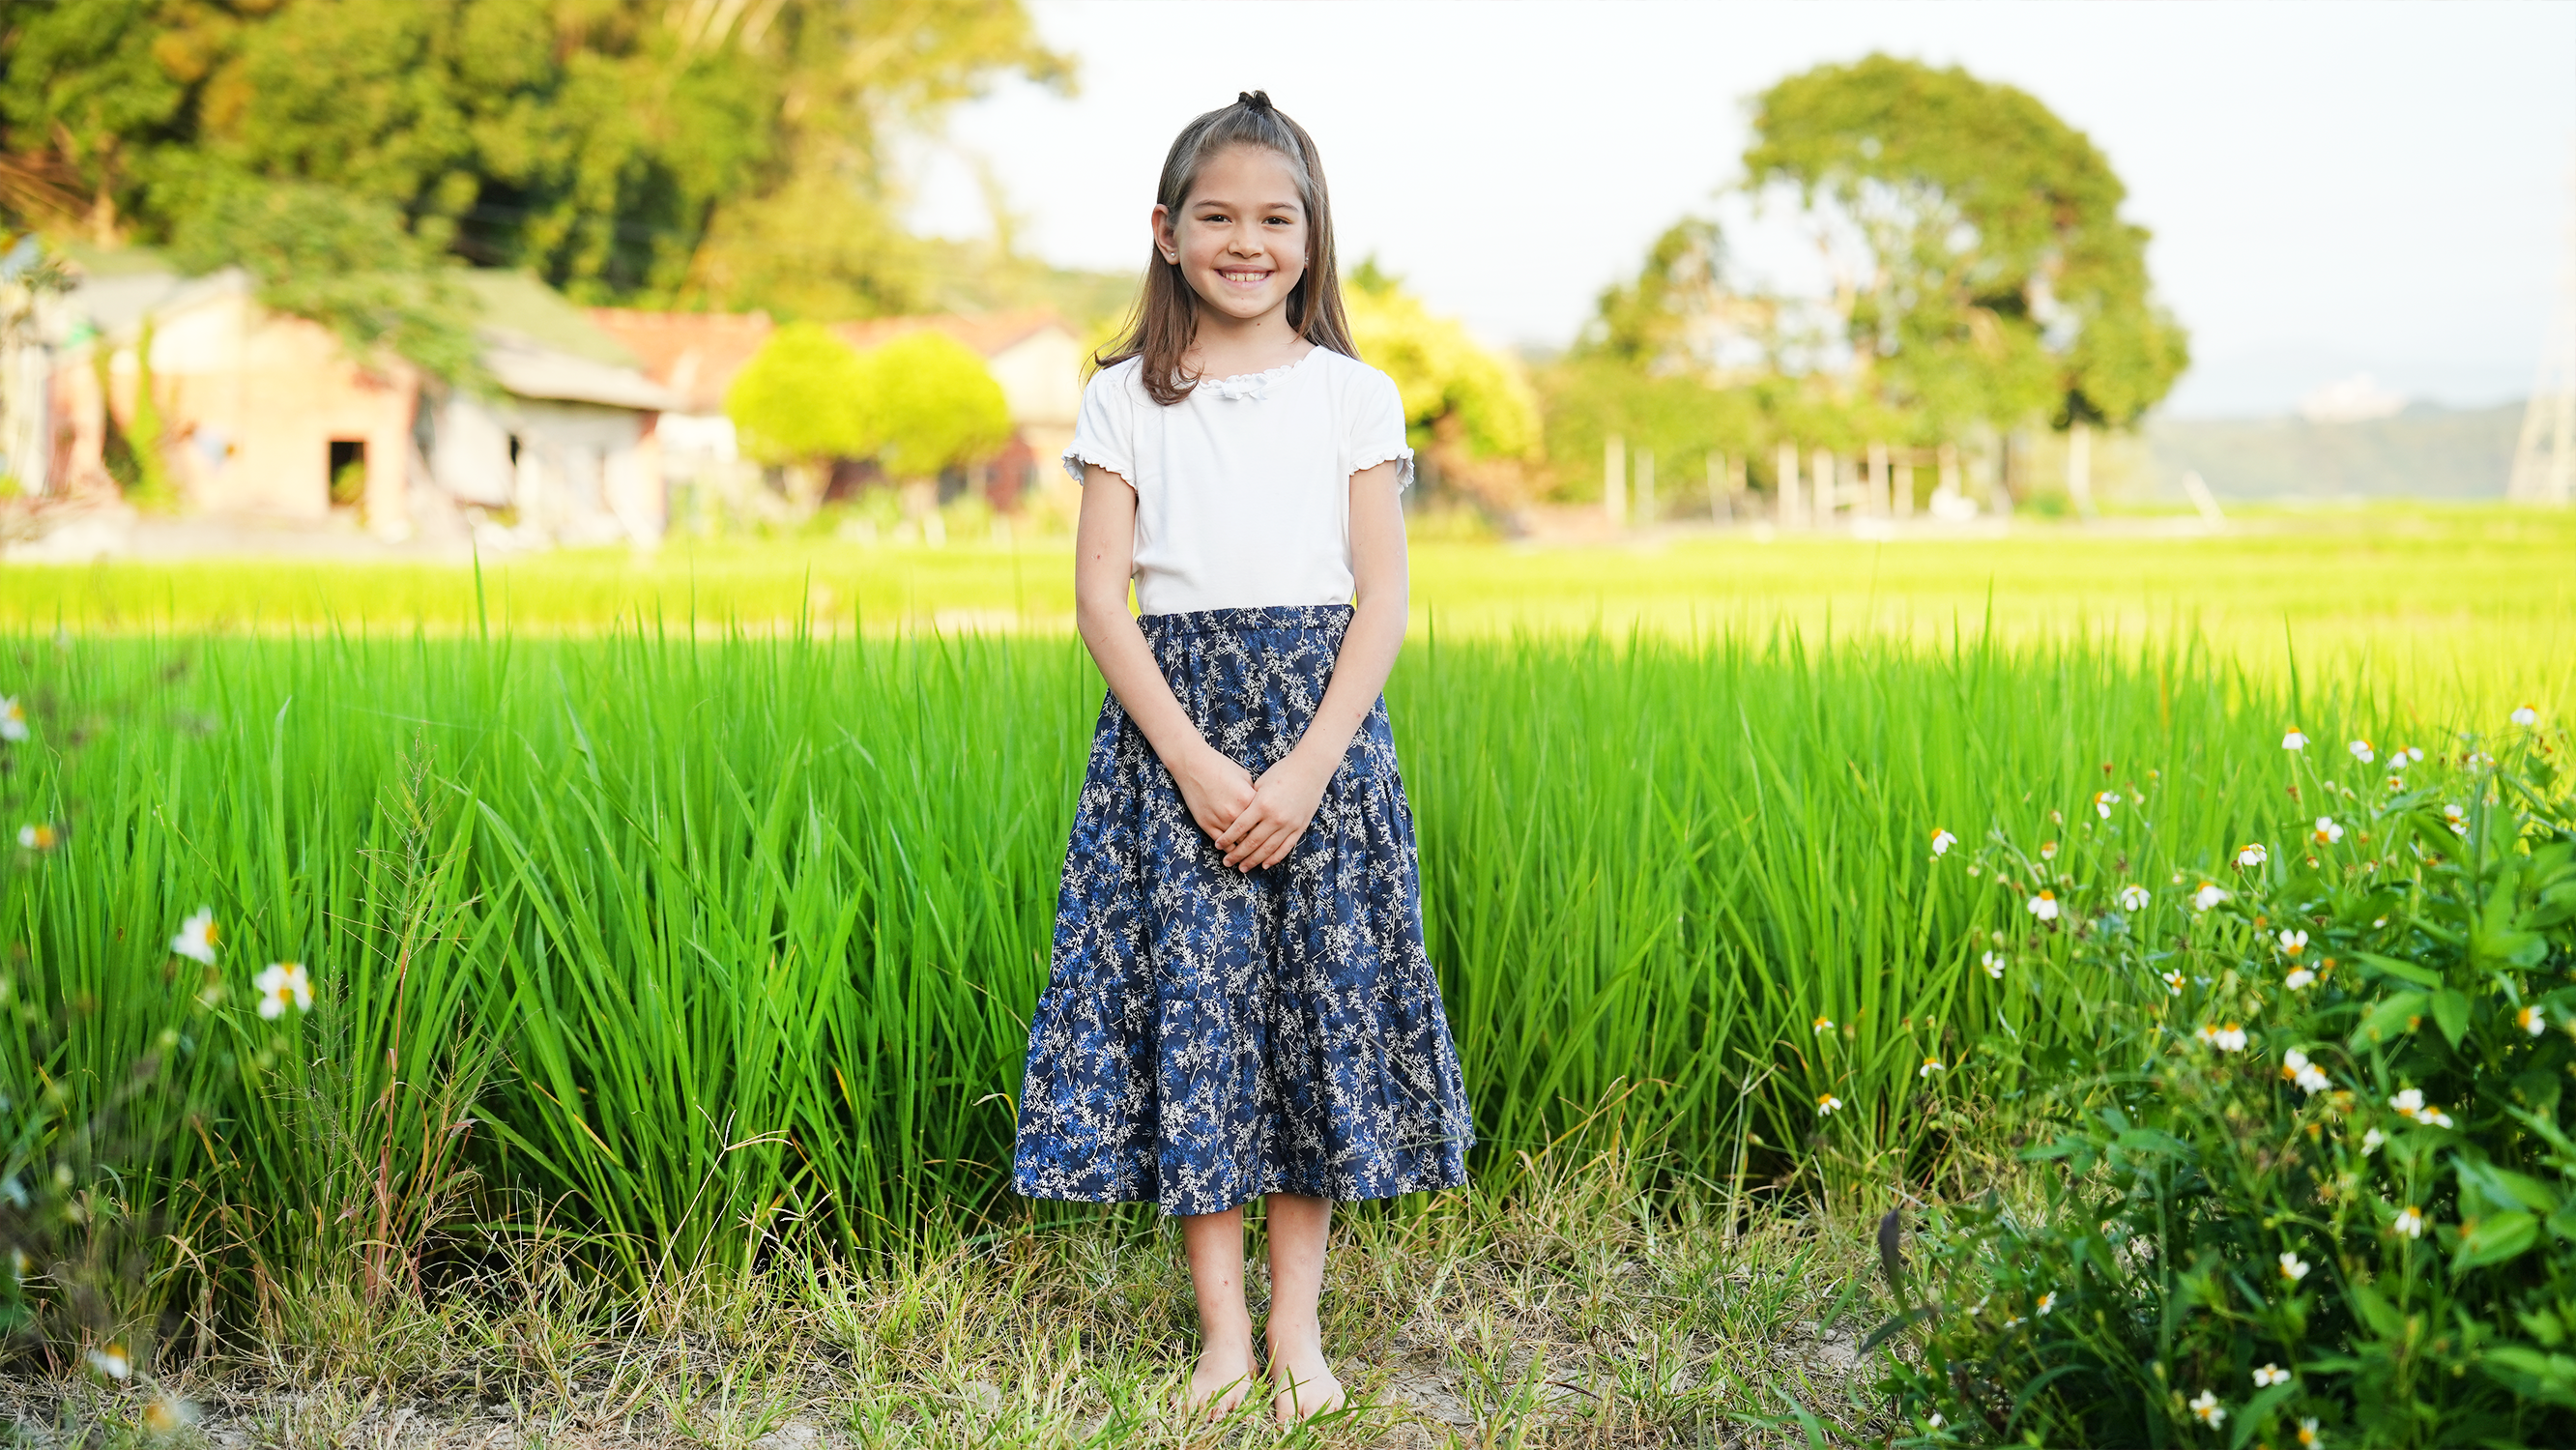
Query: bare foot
{"points": [[1307, 1387], [1221, 1380]]}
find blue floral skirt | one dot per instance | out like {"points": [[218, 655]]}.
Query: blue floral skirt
{"points": [[1209, 1035]]}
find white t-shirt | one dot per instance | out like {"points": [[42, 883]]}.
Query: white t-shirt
{"points": [[1243, 488]]}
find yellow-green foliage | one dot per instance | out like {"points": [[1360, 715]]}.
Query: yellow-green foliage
{"points": [[934, 403], [1440, 370], [803, 398]]}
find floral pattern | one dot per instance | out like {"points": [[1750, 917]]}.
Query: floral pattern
{"points": [[1208, 1036]]}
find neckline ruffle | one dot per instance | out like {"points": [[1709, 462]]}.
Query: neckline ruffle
{"points": [[1253, 387]]}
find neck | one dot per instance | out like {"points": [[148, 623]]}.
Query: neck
{"points": [[1224, 346]]}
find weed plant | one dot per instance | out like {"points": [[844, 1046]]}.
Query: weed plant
{"points": [[2319, 1187], [708, 952]]}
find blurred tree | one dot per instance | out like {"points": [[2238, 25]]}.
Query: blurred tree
{"points": [[651, 151], [1998, 281], [935, 405], [1471, 410], [802, 401], [343, 260]]}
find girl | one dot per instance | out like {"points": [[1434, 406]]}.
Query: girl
{"points": [[1239, 1004]]}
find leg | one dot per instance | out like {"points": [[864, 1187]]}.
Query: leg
{"points": [[1224, 1372], [1306, 1385]]}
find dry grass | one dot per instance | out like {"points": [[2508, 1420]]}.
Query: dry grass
{"points": [[1571, 1314]]}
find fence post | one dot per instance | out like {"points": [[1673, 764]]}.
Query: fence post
{"points": [[1614, 481], [1793, 510]]}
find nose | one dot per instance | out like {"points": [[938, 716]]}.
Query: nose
{"points": [[1243, 243]]}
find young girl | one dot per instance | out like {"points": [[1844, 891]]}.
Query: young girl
{"points": [[1239, 1003]]}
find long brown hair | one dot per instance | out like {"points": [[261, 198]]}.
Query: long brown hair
{"points": [[1165, 320]]}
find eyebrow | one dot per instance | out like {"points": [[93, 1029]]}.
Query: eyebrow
{"points": [[1204, 202]]}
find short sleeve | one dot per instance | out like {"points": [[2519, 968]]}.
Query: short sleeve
{"points": [[1105, 432], [1373, 426]]}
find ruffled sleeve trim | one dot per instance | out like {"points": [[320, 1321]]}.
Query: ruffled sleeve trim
{"points": [[1401, 456], [1076, 456]]}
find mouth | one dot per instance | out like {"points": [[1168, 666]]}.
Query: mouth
{"points": [[1244, 276]]}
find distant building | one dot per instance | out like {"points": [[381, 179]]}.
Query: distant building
{"points": [[264, 415], [1033, 355]]}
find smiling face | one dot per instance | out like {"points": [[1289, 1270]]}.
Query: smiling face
{"points": [[1240, 240]]}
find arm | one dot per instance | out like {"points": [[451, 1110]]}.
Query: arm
{"points": [[1283, 803], [1213, 787]]}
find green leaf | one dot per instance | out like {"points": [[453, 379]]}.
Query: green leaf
{"points": [[2377, 1312], [2257, 1413], [2395, 1015], [2451, 1013], [2495, 1239], [2391, 966]]}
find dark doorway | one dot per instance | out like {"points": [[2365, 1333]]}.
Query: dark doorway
{"points": [[348, 472]]}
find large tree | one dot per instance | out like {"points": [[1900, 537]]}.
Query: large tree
{"points": [[1995, 278], [724, 152]]}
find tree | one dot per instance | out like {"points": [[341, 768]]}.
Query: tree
{"points": [[934, 403], [1471, 410], [1996, 280], [804, 400], [643, 151]]}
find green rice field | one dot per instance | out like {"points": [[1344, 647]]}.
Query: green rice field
{"points": [[635, 900]]}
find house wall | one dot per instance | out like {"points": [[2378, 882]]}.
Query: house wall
{"points": [[251, 402]]}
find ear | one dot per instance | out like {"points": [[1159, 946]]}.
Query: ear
{"points": [[1167, 242]]}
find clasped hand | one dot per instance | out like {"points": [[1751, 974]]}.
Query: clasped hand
{"points": [[1256, 823]]}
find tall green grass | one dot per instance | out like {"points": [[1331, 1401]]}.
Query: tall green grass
{"points": [[688, 946]]}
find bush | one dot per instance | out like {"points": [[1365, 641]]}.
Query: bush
{"points": [[803, 399], [2321, 1188], [937, 405]]}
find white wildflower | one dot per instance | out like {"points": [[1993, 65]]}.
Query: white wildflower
{"points": [[13, 718], [2532, 1021], [1942, 841], [196, 938], [1993, 962], [2270, 1375], [2294, 740], [2252, 854], [2208, 1410], [2525, 715], [2207, 896], [2044, 906], [2294, 1268], [1828, 1105], [2361, 751], [2327, 832], [2133, 897], [281, 984], [2293, 942], [2410, 1222], [1930, 1066]]}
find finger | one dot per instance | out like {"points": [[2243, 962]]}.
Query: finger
{"points": [[1284, 847], [1259, 844], [1254, 828], [1236, 830]]}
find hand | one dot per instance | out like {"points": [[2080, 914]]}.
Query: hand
{"points": [[1283, 805], [1214, 788]]}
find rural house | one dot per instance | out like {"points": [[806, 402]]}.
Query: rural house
{"points": [[264, 416]]}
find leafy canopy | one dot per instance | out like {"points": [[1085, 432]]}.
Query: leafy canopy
{"points": [[624, 150], [1999, 280], [1441, 371], [936, 405], [803, 399]]}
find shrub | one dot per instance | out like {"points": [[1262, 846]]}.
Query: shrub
{"points": [[803, 399], [2321, 1188], [937, 406]]}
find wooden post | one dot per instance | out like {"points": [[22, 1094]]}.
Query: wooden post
{"points": [[1826, 485], [1645, 488], [1904, 499], [1614, 481], [1720, 507], [1881, 501], [1793, 509], [1949, 459], [2079, 466], [1736, 485]]}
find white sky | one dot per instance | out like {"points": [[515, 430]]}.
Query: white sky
{"points": [[2334, 189]]}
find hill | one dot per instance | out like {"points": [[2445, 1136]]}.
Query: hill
{"points": [[2426, 451]]}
